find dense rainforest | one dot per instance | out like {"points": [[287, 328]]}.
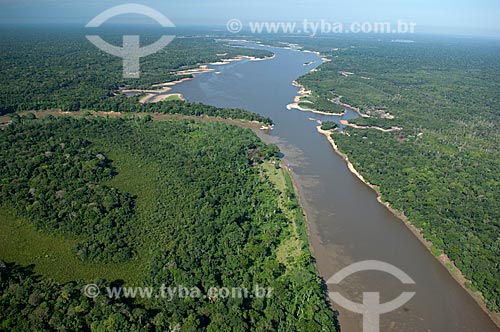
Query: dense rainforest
{"points": [[49, 68], [53, 178], [133, 202], [442, 170], [182, 202]]}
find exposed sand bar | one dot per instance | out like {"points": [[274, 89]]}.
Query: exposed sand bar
{"points": [[155, 95], [298, 99], [241, 57], [298, 107], [157, 98]]}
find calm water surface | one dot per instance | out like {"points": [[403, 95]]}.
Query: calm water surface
{"points": [[346, 222]]}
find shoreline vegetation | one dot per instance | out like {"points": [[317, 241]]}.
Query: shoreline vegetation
{"points": [[5, 120], [306, 227], [445, 261], [303, 230]]}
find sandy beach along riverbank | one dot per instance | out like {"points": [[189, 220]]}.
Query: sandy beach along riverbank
{"points": [[442, 258]]}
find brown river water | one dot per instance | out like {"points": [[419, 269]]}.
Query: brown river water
{"points": [[346, 223]]}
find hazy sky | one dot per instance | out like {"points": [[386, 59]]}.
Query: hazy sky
{"points": [[466, 16]]}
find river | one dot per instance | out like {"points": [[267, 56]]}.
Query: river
{"points": [[346, 222]]}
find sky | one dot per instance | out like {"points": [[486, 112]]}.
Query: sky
{"points": [[460, 16]]}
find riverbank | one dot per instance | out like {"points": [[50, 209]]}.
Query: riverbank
{"points": [[338, 101], [445, 261], [294, 187], [303, 225], [254, 125]]}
